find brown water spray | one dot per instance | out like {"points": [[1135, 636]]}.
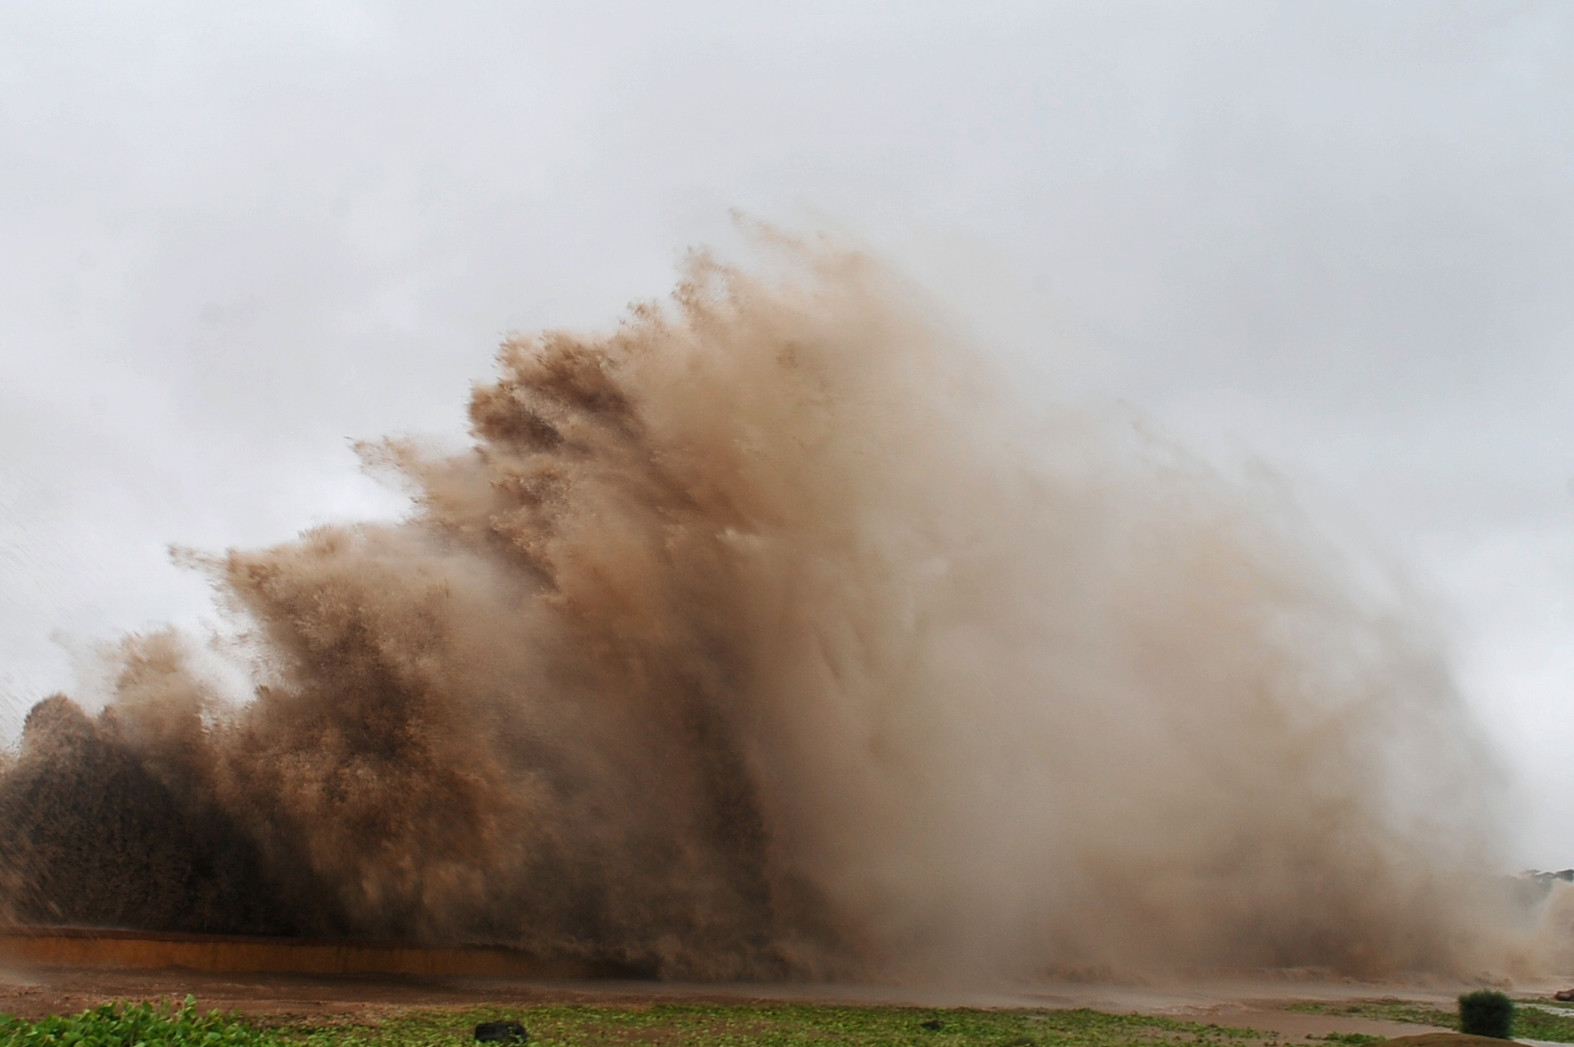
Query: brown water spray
{"points": [[755, 639]]}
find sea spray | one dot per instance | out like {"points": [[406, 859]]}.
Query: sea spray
{"points": [[761, 638]]}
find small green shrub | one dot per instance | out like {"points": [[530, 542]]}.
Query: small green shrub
{"points": [[1486, 1013]]}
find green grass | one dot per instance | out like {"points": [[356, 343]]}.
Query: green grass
{"points": [[1536, 1024], [1531, 1022], [135, 1025], [715, 1025], [773, 1025], [718, 1025], [660, 1025]]}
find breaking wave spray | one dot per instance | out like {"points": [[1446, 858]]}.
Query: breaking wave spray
{"points": [[755, 639]]}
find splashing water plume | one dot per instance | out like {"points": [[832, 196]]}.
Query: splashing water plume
{"points": [[756, 639]]}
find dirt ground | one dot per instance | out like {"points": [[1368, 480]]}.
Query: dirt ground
{"points": [[1259, 1002]]}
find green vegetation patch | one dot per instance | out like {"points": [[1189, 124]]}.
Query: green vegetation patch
{"points": [[657, 1025], [717, 1025], [1533, 1019], [135, 1025], [767, 1025], [1535, 1023]]}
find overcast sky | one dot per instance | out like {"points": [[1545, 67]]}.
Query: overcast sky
{"points": [[1338, 236]]}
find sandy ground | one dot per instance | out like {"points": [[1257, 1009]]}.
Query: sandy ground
{"points": [[1259, 1002]]}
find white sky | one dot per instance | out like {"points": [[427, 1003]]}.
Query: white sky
{"points": [[1336, 235]]}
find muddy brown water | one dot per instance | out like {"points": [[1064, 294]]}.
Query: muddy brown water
{"points": [[95, 948]]}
